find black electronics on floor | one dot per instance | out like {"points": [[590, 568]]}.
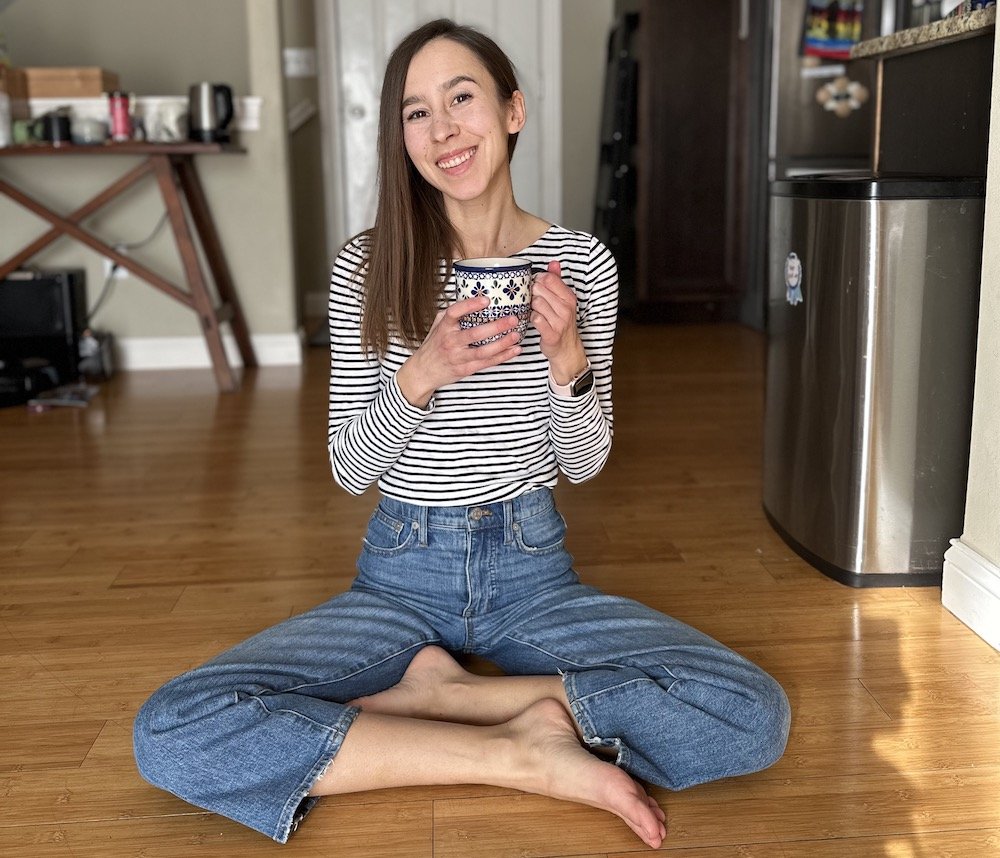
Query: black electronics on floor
{"points": [[42, 315]]}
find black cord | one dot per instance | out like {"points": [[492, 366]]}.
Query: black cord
{"points": [[105, 292], [147, 239]]}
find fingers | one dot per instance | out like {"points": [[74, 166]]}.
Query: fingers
{"points": [[470, 336], [553, 309], [551, 289], [553, 303], [471, 360], [458, 347], [467, 339], [466, 306]]}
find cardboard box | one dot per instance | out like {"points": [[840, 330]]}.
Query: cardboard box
{"points": [[69, 81], [14, 83]]}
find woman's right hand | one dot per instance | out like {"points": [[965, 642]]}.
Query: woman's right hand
{"points": [[446, 354]]}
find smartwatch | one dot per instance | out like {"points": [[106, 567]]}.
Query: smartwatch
{"points": [[577, 387]]}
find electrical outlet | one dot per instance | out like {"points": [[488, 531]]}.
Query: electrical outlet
{"points": [[120, 273]]}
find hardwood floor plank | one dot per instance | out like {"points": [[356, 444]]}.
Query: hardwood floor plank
{"points": [[524, 826], [981, 843], [927, 700], [401, 831], [835, 750], [47, 744], [759, 808]]}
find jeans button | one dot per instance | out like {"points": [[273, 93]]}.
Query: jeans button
{"points": [[476, 514]]}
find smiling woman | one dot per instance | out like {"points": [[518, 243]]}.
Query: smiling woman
{"points": [[466, 432], [459, 124], [457, 94]]}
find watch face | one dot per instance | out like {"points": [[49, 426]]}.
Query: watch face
{"points": [[583, 384]]}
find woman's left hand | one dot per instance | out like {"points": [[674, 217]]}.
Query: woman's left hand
{"points": [[553, 313]]}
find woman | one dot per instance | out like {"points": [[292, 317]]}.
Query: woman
{"points": [[465, 549]]}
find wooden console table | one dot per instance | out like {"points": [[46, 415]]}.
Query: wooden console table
{"points": [[173, 166]]}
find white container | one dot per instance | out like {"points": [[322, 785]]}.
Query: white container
{"points": [[6, 135]]}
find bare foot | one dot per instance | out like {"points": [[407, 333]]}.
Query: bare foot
{"points": [[548, 759], [426, 690]]}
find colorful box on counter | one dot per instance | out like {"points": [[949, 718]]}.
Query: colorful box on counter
{"points": [[69, 81]]}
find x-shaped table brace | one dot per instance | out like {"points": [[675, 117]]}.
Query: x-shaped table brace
{"points": [[178, 182]]}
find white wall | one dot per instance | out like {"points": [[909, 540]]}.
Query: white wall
{"points": [[982, 515], [972, 569], [586, 25]]}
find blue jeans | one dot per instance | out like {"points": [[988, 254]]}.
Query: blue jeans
{"points": [[248, 734]]}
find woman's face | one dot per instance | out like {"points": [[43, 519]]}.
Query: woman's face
{"points": [[455, 127]]}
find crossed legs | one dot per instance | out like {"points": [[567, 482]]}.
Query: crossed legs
{"points": [[442, 725]]}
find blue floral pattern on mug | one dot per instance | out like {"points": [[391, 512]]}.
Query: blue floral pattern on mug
{"points": [[506, 282]]}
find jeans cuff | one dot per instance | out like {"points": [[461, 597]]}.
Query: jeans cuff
{"points": [[586, 722], [300, 802]]}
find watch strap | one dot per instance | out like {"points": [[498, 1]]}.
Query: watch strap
{"points": [[572, 388]]}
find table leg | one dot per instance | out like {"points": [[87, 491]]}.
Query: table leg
{"points": [[203, 303], [204, 225]]}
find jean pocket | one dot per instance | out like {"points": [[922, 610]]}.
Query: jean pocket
{"points": [[388, 536], [544, 533]]}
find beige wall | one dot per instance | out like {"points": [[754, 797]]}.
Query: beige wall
{"points": [[586, 25], [159, 49], [982, 512]]}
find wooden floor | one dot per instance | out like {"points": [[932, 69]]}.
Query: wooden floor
{"points": [[165, 522]]}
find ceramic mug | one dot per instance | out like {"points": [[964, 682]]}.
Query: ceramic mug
{"points": [[88, 132], [506, 281], [53, 128], [167, 123]]}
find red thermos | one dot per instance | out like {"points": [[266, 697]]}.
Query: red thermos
{"points": [[120, 115]]}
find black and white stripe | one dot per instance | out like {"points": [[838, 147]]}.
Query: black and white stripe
{"points": [[491, 436]]}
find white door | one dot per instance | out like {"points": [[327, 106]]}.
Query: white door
{"points": [[355, 39]]}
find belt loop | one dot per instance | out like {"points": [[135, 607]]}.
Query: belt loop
{"points": [[421, 523], [508, 521]]}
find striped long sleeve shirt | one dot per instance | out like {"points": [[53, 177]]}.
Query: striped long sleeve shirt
{"points": [[490, 436]]}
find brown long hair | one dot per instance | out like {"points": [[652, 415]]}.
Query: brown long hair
{"points": [[412, 233]]}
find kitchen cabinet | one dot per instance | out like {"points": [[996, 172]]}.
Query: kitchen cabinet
{"points": [[696, 101], [932, 98]]}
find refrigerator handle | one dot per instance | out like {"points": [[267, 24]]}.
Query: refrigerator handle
{"points": [[744, 32]]}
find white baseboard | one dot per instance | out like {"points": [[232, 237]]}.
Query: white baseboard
{"points": [[971, 590], [133, 353]]}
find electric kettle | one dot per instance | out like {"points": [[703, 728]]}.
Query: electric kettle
{"points": [[210, 108]]}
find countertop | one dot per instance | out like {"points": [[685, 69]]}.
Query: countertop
{"points": [[927, 36]]}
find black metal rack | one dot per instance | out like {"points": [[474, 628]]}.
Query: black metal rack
{"points": [[614, 209]]}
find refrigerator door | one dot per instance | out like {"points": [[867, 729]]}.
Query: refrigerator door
{"points": [[873, 304]]}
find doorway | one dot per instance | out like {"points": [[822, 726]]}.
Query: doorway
{"points": [[354, 40]]}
